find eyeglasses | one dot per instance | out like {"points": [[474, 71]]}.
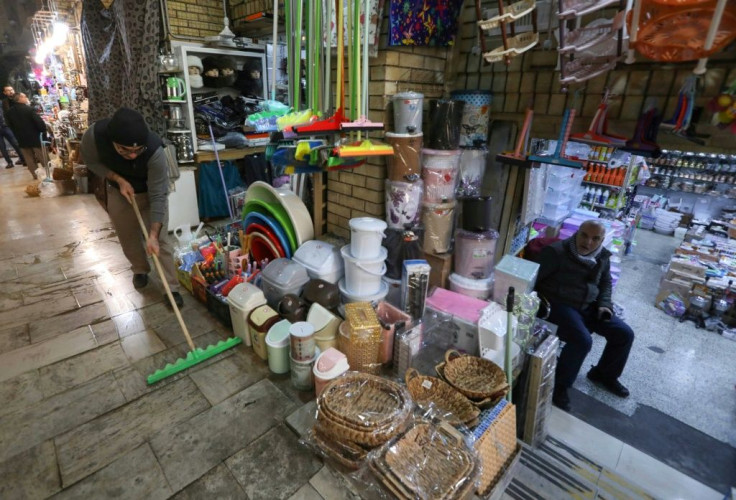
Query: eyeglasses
{"points": [[128, 150]]}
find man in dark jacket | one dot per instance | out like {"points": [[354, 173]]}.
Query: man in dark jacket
{"points": [[7, 133], [123, 151], [575, 277], [28, 127]]}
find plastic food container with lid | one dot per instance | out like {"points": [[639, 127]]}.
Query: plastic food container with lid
{"points": [[366, 235], [281, 277], [321, 260], [475, 253], [478, 288], [242, 299]]}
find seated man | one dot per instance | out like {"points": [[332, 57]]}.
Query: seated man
{"points": [[575, 277]]}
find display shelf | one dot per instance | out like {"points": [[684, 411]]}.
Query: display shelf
{"points": [[609, 186], [582, 39], [511, 13], [715, 197], [170, 101], [694, 180], [227, 154]]}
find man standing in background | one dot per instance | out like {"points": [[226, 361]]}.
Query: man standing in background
{"points": [[6, 132], [28, 127]]}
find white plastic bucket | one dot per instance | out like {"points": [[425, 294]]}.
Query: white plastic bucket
{"points": [[363, 276], [366, 235], [348, 298], [302, 377], [478, 288]]}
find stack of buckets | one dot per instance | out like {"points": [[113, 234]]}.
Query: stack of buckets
{"points": [[440, 169], [365, 262]]}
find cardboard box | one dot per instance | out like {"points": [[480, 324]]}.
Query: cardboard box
{"points": [[668, 286], [702, 254], [441, 265], [674, 275], [686, 266]]}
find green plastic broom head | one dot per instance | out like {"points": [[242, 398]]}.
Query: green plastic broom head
{"points": [[193, 357]]}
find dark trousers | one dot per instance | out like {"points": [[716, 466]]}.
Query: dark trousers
{"points": [[574, 327], [6, 133]]}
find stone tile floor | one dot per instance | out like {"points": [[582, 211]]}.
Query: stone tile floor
{"points": [[76, 343]]}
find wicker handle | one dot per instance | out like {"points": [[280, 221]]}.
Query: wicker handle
{"points": [[448, 430], [452, 354], [411, 374]]}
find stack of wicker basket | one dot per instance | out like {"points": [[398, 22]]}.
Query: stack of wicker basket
{"points": [[427, 461], [357, 413], [441, 399]]}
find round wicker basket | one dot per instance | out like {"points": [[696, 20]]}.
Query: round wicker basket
{"points": [[477, 378], [449, 404]]}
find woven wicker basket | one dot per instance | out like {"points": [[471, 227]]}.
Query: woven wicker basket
{"points": [[363, 408], [450, 404], [481, 404], [426, 461], [362, 345], [348, 454], [477, 378], [62, 174]]}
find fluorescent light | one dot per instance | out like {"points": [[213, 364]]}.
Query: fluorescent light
{"points": [[61, 30]]}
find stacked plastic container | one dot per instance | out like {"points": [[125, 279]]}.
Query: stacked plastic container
{"points": [[440, 170], [564, 191], [475, 121], [365, 262]]}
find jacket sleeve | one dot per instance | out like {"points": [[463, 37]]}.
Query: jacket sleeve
{"points": [[549, 263], [38, 122], [89, 153], [604, 287], [158, 185]]}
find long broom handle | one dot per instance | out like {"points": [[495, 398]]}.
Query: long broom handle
{"points": [[160, 271]]}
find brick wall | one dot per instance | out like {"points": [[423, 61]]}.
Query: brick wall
{"points": [[531, 78], [198, 18], [360, 192]]}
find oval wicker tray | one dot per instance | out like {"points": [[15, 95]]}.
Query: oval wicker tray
{"points": [[450, 404], [363, 408], [427, 461], [346, 453], [477, 378]]}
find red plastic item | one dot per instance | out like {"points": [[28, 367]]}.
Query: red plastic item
{"points": [[235, 280]]}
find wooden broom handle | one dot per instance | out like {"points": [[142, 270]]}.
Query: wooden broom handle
{"points": [[163, 278]]}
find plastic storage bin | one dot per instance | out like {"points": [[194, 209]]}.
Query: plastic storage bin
{"points": [[555, 212], [242, 299], [261, 320], [281, 277], [321, 260], [518, 273], [478, 288]]}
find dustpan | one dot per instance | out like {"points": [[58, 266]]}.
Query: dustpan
{"points": [[517, 157], [557, 158]]}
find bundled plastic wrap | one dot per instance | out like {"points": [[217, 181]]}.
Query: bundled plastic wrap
{"points": [[445, 118], [438, 220], [427, 460], [357, 412], [472, 170], [414, 286], [440, 172], [406, 162], [525, 311], [403, 203]]}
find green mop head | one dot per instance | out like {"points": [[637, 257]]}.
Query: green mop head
{"points": [[193, 357]]}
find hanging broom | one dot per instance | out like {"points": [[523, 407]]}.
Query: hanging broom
{"points": [[195, 355]]}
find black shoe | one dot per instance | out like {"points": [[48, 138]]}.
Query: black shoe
{"points": [[9, 165], [178, 299], [613, 386], [561, 399], [140, 280], [20, 162]]}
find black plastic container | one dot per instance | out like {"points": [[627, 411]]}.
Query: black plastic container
{"points": [[443, 130], [477, 213]]}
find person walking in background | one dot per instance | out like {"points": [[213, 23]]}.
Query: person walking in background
{"points": [[8, 97], [28, 128], [122, 150], [7, 133]]}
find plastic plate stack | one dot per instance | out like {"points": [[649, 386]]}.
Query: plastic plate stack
{"points": [[358, 412], [666, 222], [427, 461]]}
